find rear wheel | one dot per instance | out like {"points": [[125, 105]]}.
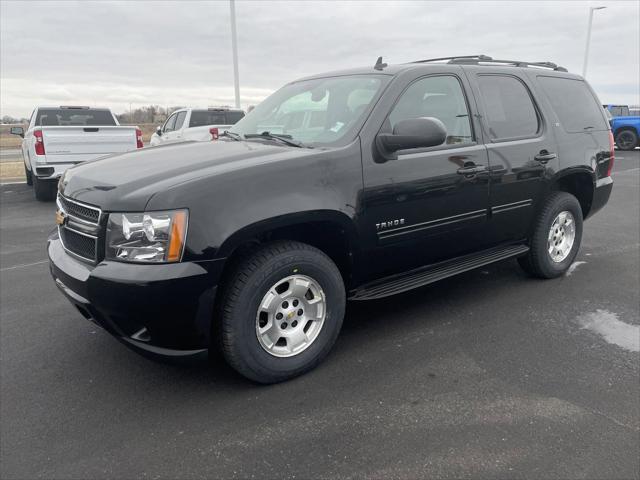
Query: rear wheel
{"points": [[282, 311], [627, 140], [556, 237], [45, 190], [28, 175]]}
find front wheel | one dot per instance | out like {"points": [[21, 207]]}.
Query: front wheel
{"points": [[627, 140], [282, 310], [556, 237]]}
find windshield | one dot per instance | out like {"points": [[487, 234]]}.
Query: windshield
{"points": [[318, 112]]}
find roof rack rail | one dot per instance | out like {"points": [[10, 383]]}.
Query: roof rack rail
{"points": [[476, 59]]}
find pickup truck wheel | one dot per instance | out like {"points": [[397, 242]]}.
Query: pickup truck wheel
{"points": [[556, 237], [28, 175], [45, 190], [627, 140], [282, 311]]}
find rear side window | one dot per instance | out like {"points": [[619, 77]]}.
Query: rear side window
{"points": [[201, 118], [573, 102], [63, 117], [510, 112]]}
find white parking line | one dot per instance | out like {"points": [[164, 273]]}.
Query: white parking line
{"points": [[24, 265]]}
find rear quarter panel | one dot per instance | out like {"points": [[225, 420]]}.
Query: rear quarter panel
{"points": [[586, 151]]}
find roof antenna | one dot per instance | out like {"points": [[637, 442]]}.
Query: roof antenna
{"points": [[379, 65]]}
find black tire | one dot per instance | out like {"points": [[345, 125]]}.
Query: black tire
{"points": [[28, 175], [45, 190], [246, 286], [627, 140], [538, 261]]}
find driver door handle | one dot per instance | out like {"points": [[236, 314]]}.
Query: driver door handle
{"points": [[544, 156], [471, 170]]}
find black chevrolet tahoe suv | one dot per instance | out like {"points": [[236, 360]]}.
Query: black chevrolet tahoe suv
{"points": [[351, 185]]}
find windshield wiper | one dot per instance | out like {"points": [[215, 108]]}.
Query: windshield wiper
{"points": [[286, 139], [235, 136]]}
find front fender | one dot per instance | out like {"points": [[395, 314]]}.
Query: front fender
{"points": [[249, 197], [337, 219]]}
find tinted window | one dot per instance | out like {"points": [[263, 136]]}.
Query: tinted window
{"points": [[170, 123], [179, 120], [617, 111], [573, 102], [54, 117], [233, 117], [440, 97], [509, 110], [201, 118]]}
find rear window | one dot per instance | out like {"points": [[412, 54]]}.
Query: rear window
{"points": [[200, 118], [62, 117], [509, 109], [573, 102], [619, 111]]}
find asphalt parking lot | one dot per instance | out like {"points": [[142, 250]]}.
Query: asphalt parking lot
{"points": [[487, 375]]}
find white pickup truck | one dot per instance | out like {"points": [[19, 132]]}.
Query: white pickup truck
{"points": [[60, 137], [195, 124]]}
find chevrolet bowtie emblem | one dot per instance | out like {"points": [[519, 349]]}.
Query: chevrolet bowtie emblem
{"points": [[60, 217]]}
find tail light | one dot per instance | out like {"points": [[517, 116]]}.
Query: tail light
{"points": [[139, 143], [214, 133], [39, 142], [612, 154]]}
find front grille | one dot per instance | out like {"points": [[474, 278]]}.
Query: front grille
{"points": [[78, 210], [81, 231], [82, 245]]}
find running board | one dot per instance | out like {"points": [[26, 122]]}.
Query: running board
{"points": [[432, 273]]}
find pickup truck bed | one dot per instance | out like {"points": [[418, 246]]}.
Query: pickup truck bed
{"points": [[81, 144], [60, 137]]}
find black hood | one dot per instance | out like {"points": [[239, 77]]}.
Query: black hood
{"points": [[126, 182]]}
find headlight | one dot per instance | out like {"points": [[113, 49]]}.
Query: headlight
{"points": [[147, 237]]}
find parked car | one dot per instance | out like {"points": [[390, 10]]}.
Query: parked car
{"points": [[195, 124], [59, 137], [626, 131], [253, 244], [625, 125]]}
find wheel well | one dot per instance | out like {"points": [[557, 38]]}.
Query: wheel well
{"points": [[580, 185], [627, 127], [329, 237]]}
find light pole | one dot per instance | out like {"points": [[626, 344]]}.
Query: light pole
{"points": [[586, 48], [234, 48]]}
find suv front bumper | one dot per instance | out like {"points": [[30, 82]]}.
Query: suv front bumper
{"points": [[161, 310]]}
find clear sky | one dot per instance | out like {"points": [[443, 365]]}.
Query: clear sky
{"points": [[118, 54]]}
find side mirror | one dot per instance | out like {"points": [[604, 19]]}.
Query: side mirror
{"points": [[159, 131], [412, 133], [17, 131]]}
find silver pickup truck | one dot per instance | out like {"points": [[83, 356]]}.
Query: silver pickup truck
{"points": [[60, 137]]}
